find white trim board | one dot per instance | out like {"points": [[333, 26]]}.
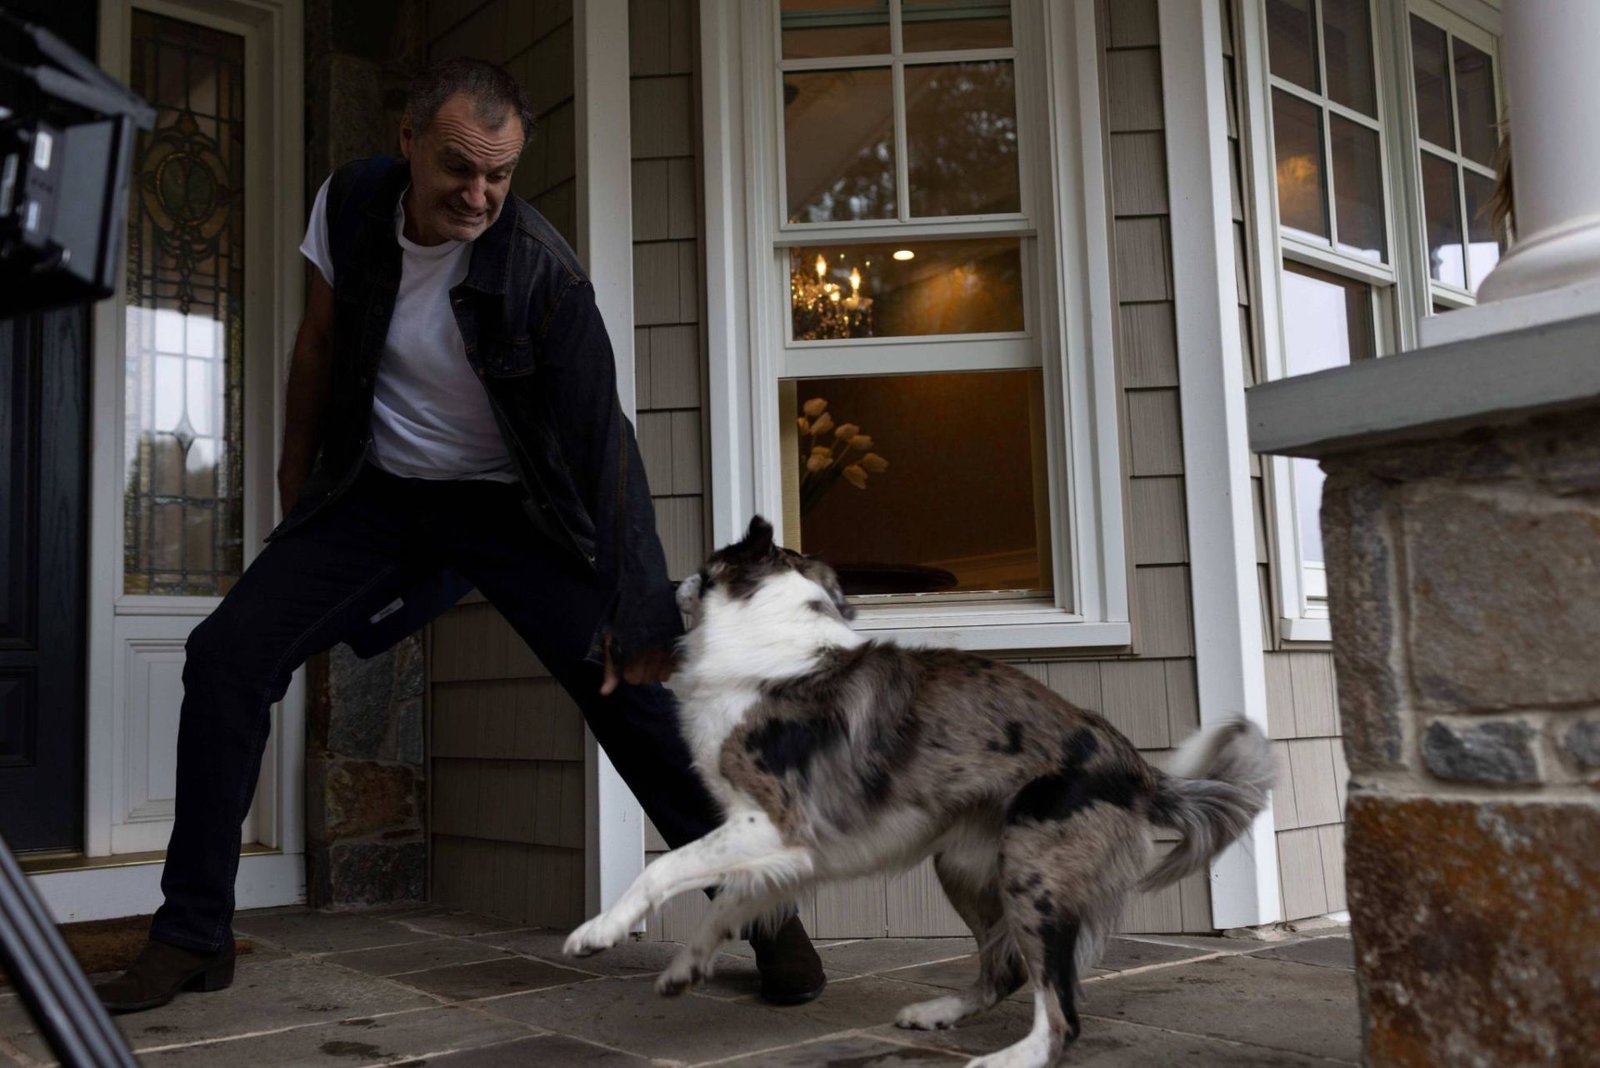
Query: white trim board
{"points": [[1229, 663], [265, 880], [613, 818], [1497, 379]]}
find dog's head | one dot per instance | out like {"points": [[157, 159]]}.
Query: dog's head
{"points": [[736, 572]]}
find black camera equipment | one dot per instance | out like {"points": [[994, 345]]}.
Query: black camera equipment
{"points": [[66, 140]]}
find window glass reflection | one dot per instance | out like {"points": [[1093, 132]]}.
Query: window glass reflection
{"points": [[1292, 42], [813, 29], [1358, 188], [1302, 186], [1475, 98], [1442, 216], [950, 25], [961, 139], [1347, 42], [838, 128], [1483, 247], [1431, 68]]}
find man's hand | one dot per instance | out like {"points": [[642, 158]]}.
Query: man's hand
{"points": [[653, 665]]}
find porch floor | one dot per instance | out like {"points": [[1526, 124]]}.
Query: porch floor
{"points": [[425, 985]]}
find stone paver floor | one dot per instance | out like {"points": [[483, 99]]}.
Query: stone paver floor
{"points": [[413, 986]]}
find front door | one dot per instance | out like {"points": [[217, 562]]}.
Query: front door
{"points": [[44, 395]]}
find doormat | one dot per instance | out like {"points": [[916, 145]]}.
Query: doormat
{"points": [[112, 945]]}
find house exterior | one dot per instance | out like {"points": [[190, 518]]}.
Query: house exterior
{"points": [[1119, 214]]}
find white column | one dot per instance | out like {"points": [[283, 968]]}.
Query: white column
{"points": [[1229, 664], [613, 820], [1550, 50]]}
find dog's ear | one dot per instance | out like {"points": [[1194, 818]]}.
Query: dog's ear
{"points": [[757, 540]]}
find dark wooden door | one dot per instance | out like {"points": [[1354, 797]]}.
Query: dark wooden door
{"points": [[44, 460]]}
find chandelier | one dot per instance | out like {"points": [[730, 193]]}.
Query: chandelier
{"points": [[821, 309]]}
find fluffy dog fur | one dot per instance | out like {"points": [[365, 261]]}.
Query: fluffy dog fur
{"points": [[835, 757]]}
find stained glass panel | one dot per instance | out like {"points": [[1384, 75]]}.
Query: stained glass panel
{"points": [[183, 490]]}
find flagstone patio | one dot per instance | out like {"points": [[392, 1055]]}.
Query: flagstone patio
{"points": [[426, 986]]}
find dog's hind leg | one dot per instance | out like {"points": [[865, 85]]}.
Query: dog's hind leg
{"points": [[969, 872], [1064, 881], [748, 849]]}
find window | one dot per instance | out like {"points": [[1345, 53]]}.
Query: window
{"points": [[1457, 135], [918, 318], [1383, 127]]}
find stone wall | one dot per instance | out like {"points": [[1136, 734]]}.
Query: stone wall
{"points": [[1463, 575], [365, 789]]}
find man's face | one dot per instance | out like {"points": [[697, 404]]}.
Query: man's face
{"points": [[460, 172]]}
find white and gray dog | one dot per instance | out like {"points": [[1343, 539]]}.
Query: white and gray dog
{"points": [[835, 757]]}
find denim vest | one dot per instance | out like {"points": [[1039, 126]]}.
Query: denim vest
{"points": [[535, 340]]}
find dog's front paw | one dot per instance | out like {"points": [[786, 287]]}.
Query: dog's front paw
{"points": [[600, 933], [685, 971], [935, 1015]]}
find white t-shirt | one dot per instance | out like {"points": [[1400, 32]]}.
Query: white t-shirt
{"points": [[430, 414]]}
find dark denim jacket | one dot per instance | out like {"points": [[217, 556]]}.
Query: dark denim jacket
{"points": [[535, 338]]}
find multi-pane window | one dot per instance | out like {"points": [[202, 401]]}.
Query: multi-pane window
{"points": [[1325, 118], [1383, 159], [911, 403], [1457, 134], [1338, 272]]}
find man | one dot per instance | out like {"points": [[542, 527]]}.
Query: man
{"points": [[451, 407]]}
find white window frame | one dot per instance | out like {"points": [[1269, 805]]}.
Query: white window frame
{"points": [[1068, 335], [1403, 291]]}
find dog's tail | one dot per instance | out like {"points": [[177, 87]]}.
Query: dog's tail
{"points": [[1217, 783]]}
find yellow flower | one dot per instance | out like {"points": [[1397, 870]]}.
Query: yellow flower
{"points": [[861, 441], [822, 424], [821, 450], [815, 407], [855, 476], [805, 425], [819, 461], [846, 431], [875, 463]]}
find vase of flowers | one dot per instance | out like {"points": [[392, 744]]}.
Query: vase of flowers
{"points": [[831, 452]]}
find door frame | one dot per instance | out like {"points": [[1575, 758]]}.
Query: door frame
{"points": [[274, 285]]}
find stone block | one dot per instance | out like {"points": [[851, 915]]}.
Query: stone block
{"points": [[1491, 620], [1561, 452], [1493, 752], [1477, 929], [371, 873], [1581, 744], [366, 798], [1362, 605], [360, 694]]}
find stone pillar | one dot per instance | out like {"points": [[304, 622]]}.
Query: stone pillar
{"points": [[1549, 55], [1462, 578], [365, 789]]}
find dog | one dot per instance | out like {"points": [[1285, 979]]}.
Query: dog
{"points": [[834, 757]]}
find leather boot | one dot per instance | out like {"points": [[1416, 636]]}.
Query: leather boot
{"points": [[162, 970], [791, 971]]}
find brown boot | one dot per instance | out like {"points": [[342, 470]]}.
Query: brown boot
{"points": [[162, 970], [791, 971]]}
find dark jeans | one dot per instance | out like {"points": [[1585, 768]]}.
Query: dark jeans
{"points": [[309, 589]]}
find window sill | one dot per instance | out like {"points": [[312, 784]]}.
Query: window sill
{"points": [[989, 628], [1305, 630]]}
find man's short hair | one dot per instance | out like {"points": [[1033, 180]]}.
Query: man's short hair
{"points": [[492, 90]]}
